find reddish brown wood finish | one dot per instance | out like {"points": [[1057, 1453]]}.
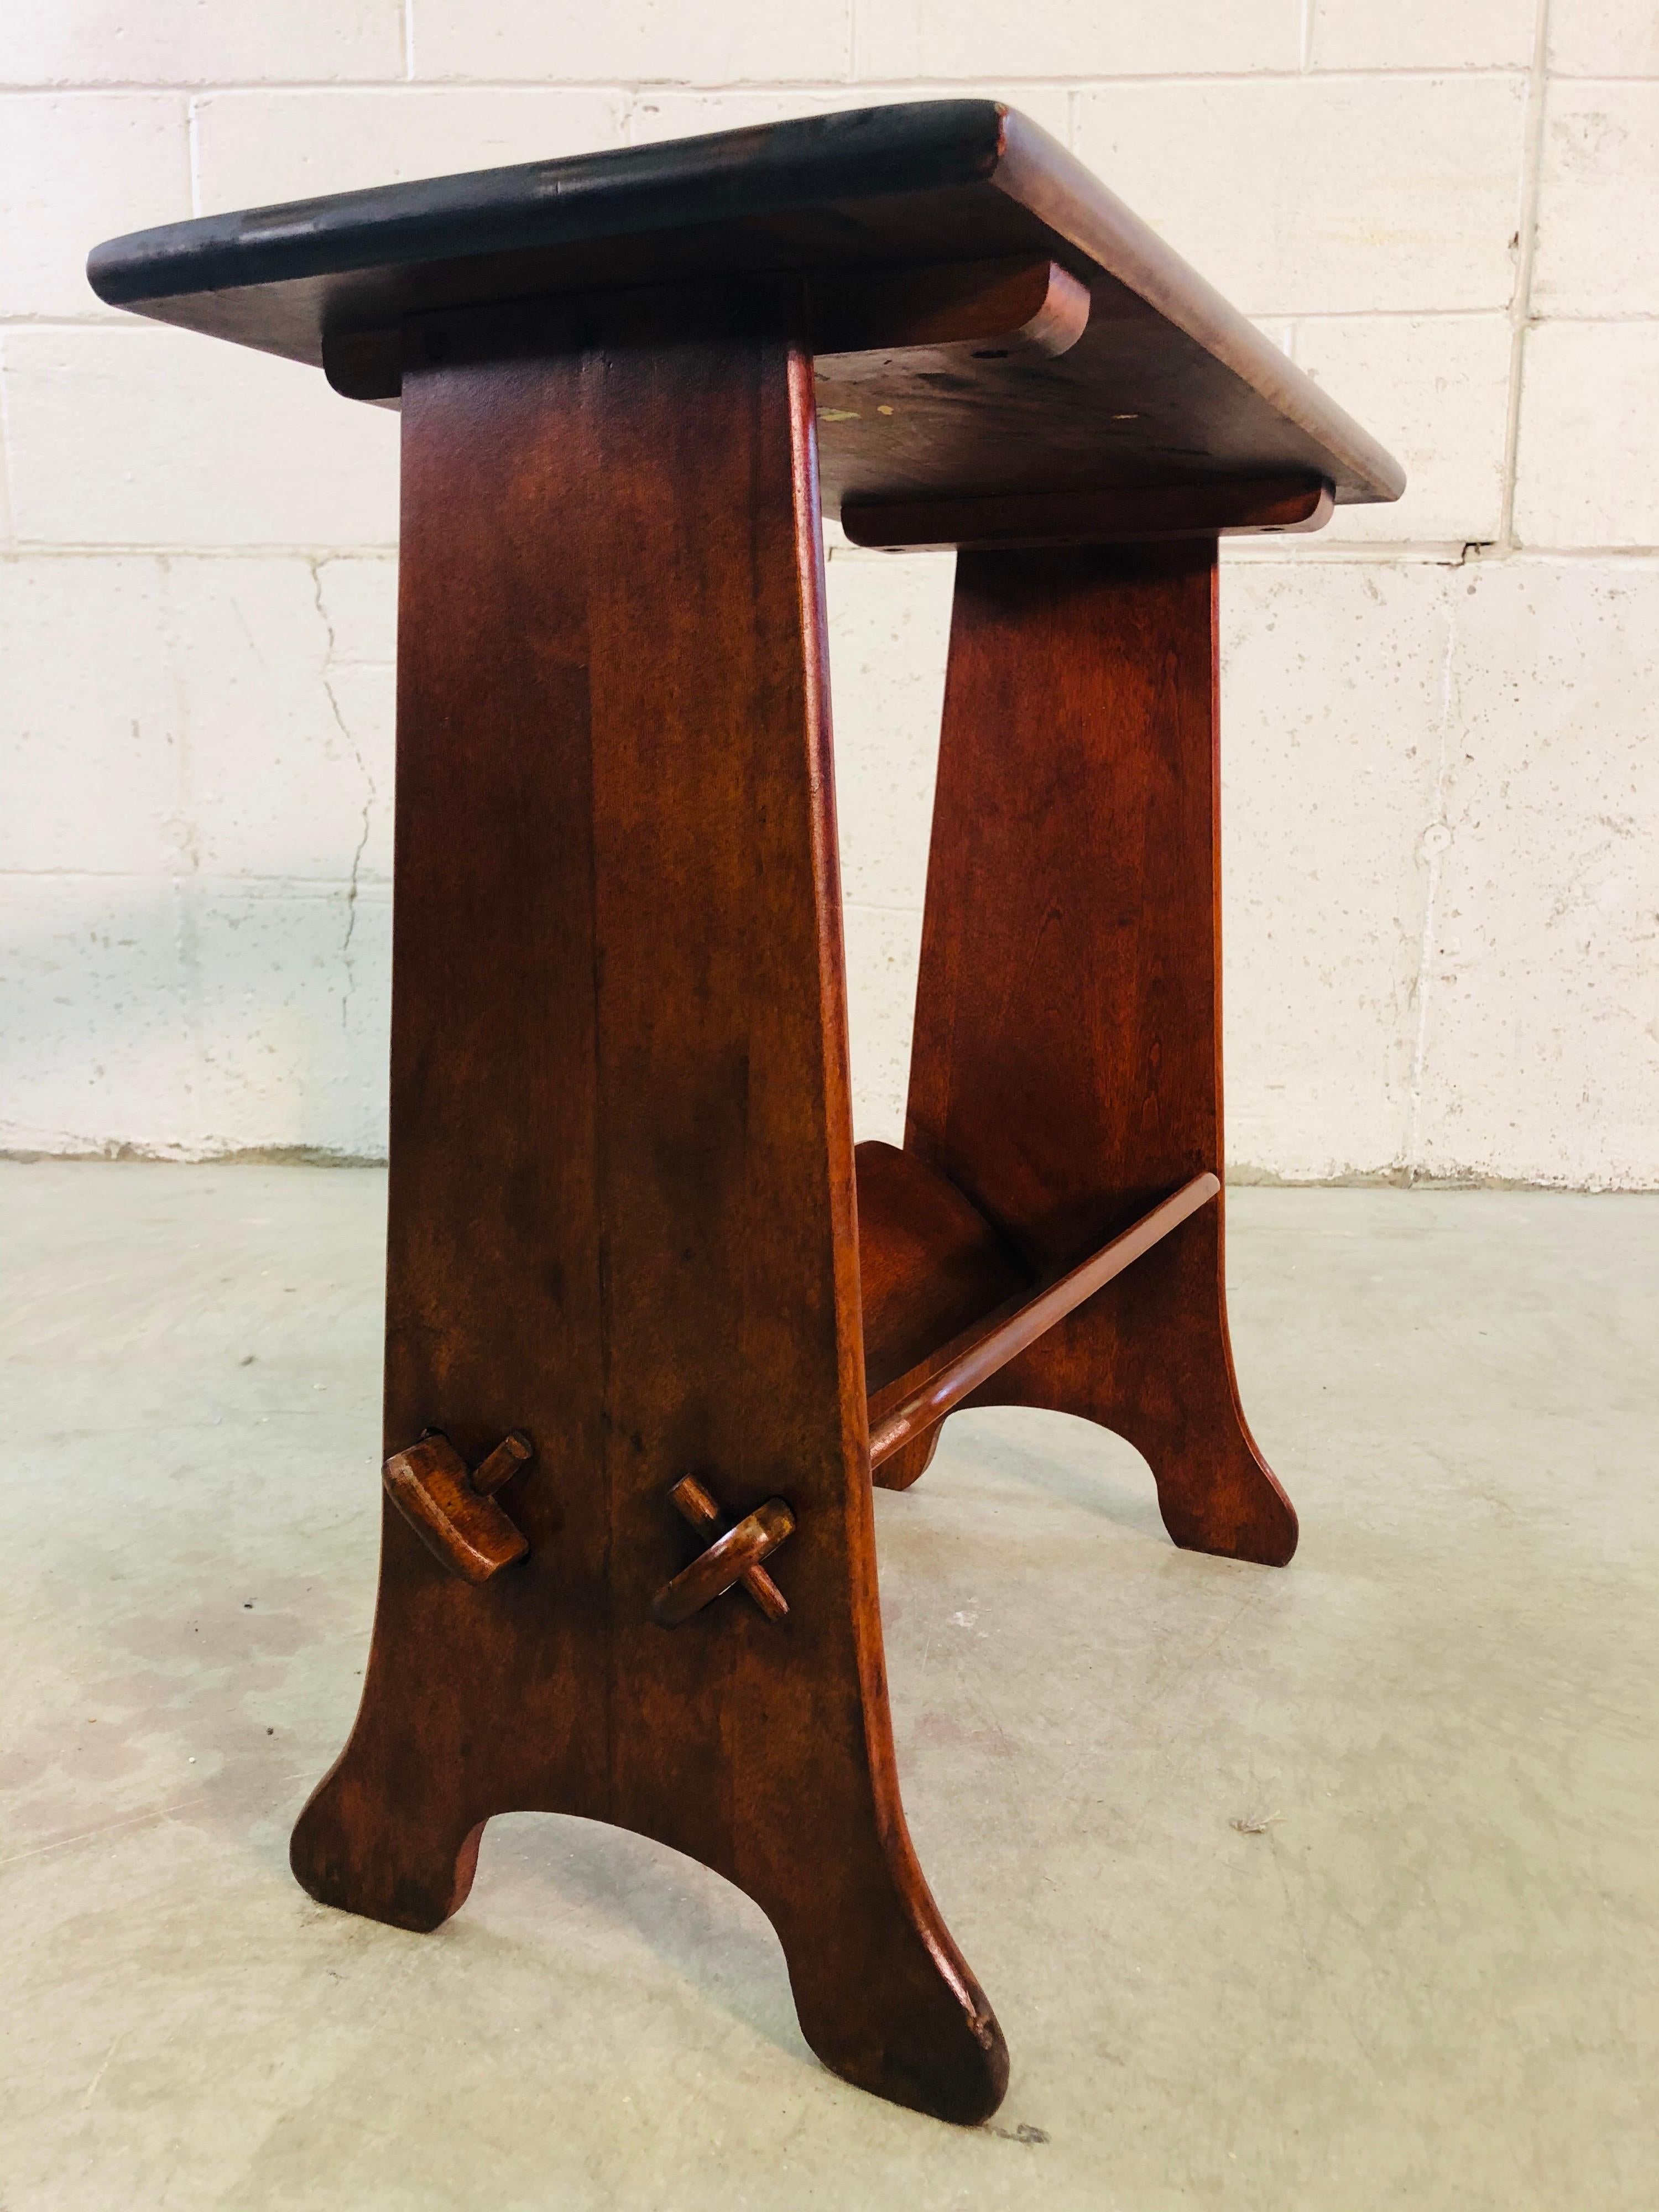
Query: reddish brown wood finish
{"points": [[1117, 515], [1167, 385], [1066, 1067], [929, 1263], [509, 1458], [900, 1469], [961, 312], [907, 1410], [622, 1198], [730, 1559], [452, 1512], [699, 1510], [935, 321]]}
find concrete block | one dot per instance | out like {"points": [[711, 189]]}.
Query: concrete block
{"points": [[100, 1050], [1337, 195], [890, 623], [291, 1000], [196, 721], [253, 148], [289, 759], [883, 949], [1587, 470], [1333, 701], [150, 436], [959, 39], [1541, 1050], [1435, 390], [201, 42], [1598, 202], [1333, 696], [89, 764], [672, 42], [77, 169], [658, 115], [1604, 38], [1423, 34]]}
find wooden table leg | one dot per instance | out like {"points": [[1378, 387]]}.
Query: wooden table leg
{"points": [[621, 1215], [1067, 1069]]}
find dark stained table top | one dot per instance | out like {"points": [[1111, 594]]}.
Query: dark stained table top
{"points": [[1154, 381]]}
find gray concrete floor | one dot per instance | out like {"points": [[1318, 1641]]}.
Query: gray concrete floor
{"points": [[1331, 1888]]}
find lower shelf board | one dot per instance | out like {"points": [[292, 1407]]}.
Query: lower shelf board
{"points": [[906, 1407], [930, 1264]]}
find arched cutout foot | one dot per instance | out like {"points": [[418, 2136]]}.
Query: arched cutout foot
{"points": [[1150, 1359], [358, 1847], [909, 1462], [917, 2031]]}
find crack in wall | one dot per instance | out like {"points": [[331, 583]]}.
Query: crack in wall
{"points": [[371, 792]]}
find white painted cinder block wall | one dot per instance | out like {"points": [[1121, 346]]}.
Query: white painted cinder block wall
{"points": [[1442, 720]]}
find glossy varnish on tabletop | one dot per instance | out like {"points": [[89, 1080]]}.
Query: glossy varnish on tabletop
{"points": [[1161, 383], [622, 1211]]}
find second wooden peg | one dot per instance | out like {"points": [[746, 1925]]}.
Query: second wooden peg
{"points": [[695, 1505], [502, 1464]]}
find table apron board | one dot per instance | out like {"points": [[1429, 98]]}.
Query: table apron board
{"points": [[972, 404]]}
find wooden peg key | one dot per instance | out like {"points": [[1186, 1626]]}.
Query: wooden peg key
{"points": [[734, 1558], [502, 1464], [453, 1513]]}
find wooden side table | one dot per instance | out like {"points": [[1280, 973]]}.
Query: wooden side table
{"points": [[654, 1322]]}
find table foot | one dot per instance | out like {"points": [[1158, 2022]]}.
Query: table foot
{"points": [[788, 1791], [1149, 1357], [910, 1462], [357, 1848], [899, 2015]]}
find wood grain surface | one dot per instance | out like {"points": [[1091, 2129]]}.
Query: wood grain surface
{"points": [[698, 1509], [1066, 1067], [1228, 507], [911, 1406], [929, 1262], [622, 1181], [1167, 384]]}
